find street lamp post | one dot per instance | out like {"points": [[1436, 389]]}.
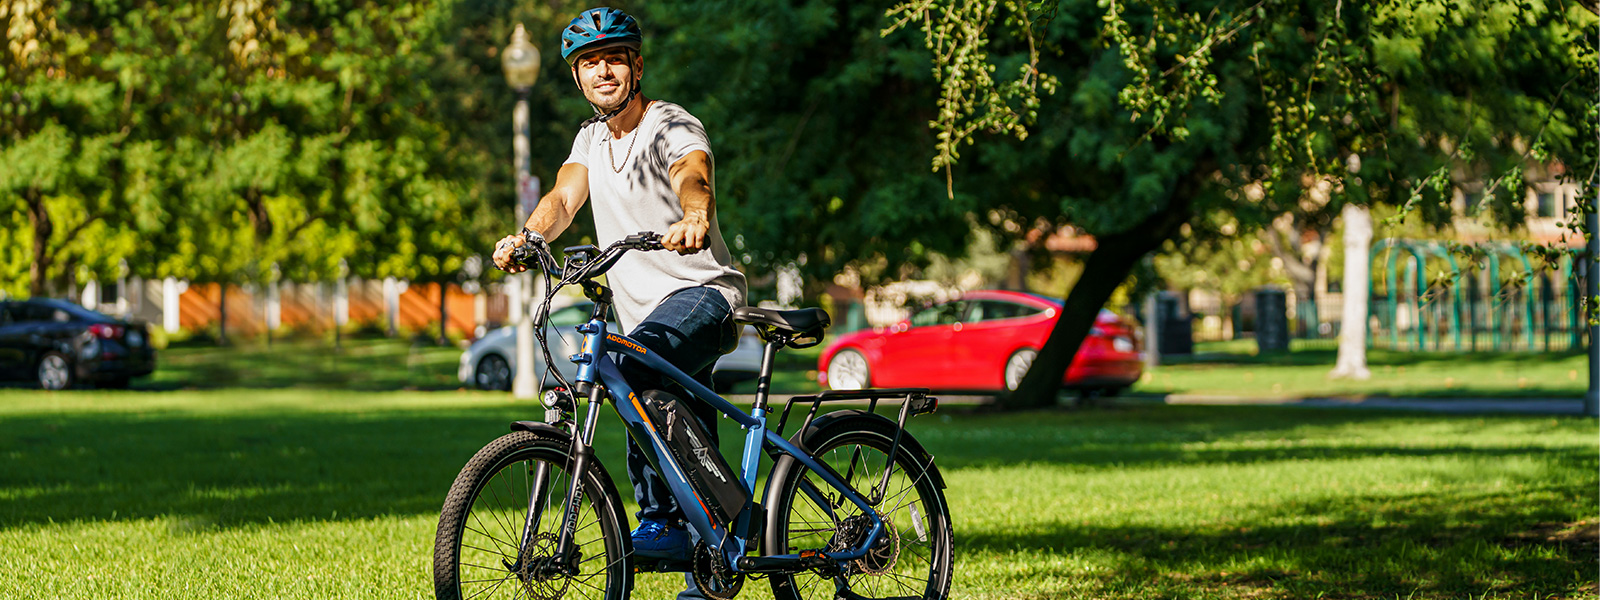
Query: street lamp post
{"points": [[520, 59]]}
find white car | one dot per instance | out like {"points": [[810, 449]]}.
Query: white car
{"points": [[490, 362]]}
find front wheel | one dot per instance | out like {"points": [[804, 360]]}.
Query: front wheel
{"points": [[848, 370], [485, 547], [912, 558]]}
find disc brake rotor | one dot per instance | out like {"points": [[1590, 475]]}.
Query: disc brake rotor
{"points": [[881, 557], [537, 581]]}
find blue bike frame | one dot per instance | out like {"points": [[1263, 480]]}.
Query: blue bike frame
{"points": [[595, 366]]}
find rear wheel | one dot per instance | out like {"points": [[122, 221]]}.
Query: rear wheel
{"points": [[484, 548], [493, 373], [848, 370], [1017, 367], [54, 372], [912, 557]]}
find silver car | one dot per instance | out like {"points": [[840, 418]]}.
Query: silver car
{"points": [[491, 361]]}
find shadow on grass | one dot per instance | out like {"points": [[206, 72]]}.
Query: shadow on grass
{"points": [[237, 469], [1124, 436], [1360, 546]]}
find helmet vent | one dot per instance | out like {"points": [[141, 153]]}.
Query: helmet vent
{"points": [[595, 16], [575, 29]]}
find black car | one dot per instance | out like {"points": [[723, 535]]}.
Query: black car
{"points": [[57, 344]]}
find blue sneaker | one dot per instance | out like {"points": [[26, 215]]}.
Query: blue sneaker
{"points": [[661, 540]]}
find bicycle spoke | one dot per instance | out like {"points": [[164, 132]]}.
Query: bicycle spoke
{"points": [[495, 514], [491, 588], [513, 547], [494, 568], [906, 501], [486, 551]]}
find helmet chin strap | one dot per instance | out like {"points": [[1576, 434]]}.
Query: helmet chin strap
{"points": [[601, 118]]}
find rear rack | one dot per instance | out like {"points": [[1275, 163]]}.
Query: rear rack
{"points": [[914, 401]]}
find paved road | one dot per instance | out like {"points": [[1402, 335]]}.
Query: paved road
{"points": [[1532, 406]]}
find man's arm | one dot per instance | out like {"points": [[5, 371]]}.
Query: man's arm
{"points": [[554, 213], [557, 209], [691, 181]]}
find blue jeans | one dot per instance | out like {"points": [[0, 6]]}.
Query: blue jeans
{"points": [[691, 329]]}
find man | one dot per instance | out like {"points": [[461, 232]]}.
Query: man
{"points": [[647, 166]]}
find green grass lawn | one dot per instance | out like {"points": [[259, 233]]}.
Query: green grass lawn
{"points": [[1225, 368], [360, 364], [1232, 368], [307, 493]]}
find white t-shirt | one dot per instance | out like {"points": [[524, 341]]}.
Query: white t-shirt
{"points": [[631, 192]]}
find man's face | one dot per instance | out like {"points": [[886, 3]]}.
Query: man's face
{"points": [[606, 76]]}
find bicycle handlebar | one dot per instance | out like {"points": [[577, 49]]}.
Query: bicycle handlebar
{"points": [[580, 266]]}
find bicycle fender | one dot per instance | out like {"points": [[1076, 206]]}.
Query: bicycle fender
{"points": [[541, 428]]}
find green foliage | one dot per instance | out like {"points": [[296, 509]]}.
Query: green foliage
{"points": [[1389, 102], [240, 141], [817, 123]]}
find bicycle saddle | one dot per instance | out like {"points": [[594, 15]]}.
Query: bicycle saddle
{"points": [[798, 325]]}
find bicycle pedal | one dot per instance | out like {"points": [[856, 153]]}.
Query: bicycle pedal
{"points": [[646, 564]]}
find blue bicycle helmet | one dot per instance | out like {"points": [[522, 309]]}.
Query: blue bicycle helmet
{"points": [[599, 27]]}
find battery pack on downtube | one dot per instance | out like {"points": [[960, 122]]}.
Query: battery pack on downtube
{"points": [[712, 479]]}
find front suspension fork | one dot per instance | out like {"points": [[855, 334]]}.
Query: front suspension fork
{"points": [[583, 452]]}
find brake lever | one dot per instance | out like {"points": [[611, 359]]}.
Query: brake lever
{"points": [[644, 240]]}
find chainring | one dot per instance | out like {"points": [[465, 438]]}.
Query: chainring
{"points": [[714, 578]]}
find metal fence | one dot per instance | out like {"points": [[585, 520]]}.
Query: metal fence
{"points": [[1430, 297], [1501, 300]]}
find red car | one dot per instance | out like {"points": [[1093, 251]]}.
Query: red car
{"points": [[984, 341]]}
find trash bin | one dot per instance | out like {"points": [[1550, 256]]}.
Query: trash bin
{"points": [[1272, 321], [1176, 332]]}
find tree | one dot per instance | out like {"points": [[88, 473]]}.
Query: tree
{"points": [[1130, 120], [817, 124], [1352, 358]]}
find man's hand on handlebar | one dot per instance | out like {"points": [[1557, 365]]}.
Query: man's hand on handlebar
{"points": [[506, 250], [687, 236]]}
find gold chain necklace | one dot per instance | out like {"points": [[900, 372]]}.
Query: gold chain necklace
{"points": [[612, 156]]}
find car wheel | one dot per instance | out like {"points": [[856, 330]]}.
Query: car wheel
{"points": [[55, 373], [493, 374], [848, 370], [1017, 367]]}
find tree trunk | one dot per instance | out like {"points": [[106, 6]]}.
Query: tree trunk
{"points": [[1352, 361], [444, 316], [39, 266], [1107, 267]]}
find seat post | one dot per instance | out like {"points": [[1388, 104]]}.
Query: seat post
{"points": [[764, 381]]}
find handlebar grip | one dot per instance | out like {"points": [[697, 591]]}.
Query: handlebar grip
{"points": [[533, 255]]}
